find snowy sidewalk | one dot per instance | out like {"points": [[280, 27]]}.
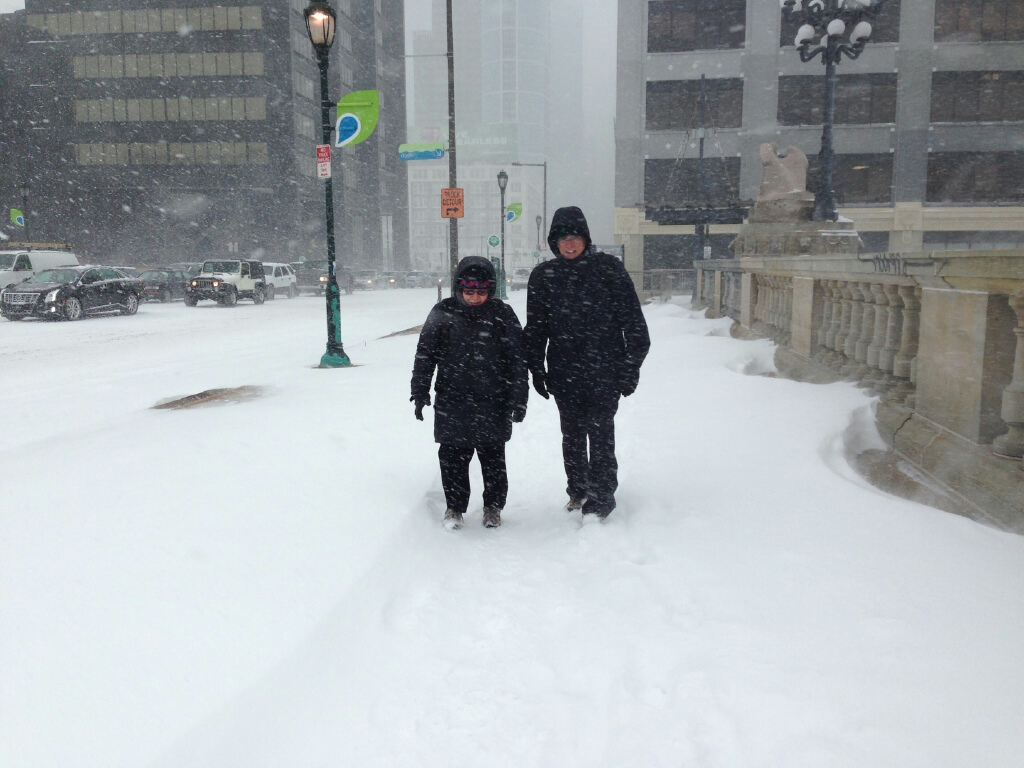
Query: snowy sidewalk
{"points": [[752, 602]]}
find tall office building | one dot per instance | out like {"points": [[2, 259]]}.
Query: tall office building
{"points": [[193, 128], [928, 120], [501, 85]]}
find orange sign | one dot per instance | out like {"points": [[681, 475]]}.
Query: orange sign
{"points": [[453, 204]]}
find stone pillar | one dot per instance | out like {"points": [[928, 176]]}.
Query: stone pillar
{"points": [[908, 340], [787, 314], [832, 337], [893, 328], [825, 286], [748, 299], [867, 325], [1012, 443], [846, 288], [856, 321], [716, 294], [881, 323], [806, 316]]}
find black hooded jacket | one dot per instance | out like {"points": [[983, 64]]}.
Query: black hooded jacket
{"points": [[584, 317], [481, 369]]}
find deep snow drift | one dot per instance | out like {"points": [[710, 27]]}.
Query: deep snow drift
{"points": [[268, 583]]}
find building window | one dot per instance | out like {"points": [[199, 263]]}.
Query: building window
{"points": [[974, 21], [173, 153], [174, 109], [857, 178], [674, 182], [885, 28], [167, 65], [860, 99], [975, 177], [674, 105], [977, 97], [176, 20], [695, 25]]}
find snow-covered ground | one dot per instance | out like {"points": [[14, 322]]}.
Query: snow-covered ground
{"points": [[268, 583]]}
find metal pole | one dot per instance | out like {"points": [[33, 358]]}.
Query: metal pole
{"points": [[501, 274], [545, 195], [825, 200], [335, 356], [24, 215], [453, 226]]}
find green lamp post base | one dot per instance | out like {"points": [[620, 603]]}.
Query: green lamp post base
{"points": [[331, 360]]}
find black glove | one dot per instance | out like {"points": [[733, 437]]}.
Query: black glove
{"points": [[540, 384], [420, 402], [628, 379], [519, 413]]}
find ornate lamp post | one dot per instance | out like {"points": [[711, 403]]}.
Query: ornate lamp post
{"points": [[322, 24], [25, 190], [502, 183], [828, 20]]}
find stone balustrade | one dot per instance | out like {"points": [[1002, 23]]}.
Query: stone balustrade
{"points": [[938, 336]]}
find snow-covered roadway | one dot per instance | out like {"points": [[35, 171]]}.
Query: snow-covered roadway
{"points": [[268, 583]]}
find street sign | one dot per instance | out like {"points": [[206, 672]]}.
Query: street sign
{"points": [[323, 161], [494, 241], [536, 254], [420, 151], [453, 203]]}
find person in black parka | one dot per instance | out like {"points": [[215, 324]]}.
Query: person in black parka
{"points": [[475, 342], [583, 318]]}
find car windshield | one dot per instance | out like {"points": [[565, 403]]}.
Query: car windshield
{"points": [[7, 260], [221, 266], [54, 276], [367, 273], [154, 274]]}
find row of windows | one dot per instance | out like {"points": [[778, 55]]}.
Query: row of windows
{"points": [[952, 177], [957, 97], [183, 108], [169, 65], [177, 20], [977, 97], [979, 20], [173, 153], [304, 86], [690, 25]]}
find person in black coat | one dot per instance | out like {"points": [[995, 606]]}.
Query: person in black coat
{"points": [[475, 343], [583, 319]]}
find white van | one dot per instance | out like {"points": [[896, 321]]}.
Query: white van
{"points": [[16, 266]]}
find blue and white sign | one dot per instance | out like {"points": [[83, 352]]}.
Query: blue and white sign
{"points": [[421, 151]]}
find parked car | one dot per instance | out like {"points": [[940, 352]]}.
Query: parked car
{"points": [[312, 277], [367, 280], [392, 280], [71, 293], [416, 279], [129, 271], [520, 278], [19, 265], [280, 279], [164, 284], [226, 281], [191, 268]]}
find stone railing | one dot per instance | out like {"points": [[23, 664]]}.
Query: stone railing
{"points": [[938, 336]]}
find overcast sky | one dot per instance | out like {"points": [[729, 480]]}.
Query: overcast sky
{"points": [[6, 6]]}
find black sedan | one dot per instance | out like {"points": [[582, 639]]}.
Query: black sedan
{"points": [[71, 293], [164, 284]]}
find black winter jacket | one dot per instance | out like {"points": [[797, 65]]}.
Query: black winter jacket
{"points": [[481, 371], [584, 317]]}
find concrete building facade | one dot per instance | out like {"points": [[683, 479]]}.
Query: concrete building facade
{"points": [[929, 127], [191, 127]]}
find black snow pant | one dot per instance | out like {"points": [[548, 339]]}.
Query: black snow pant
{"points": [[594, 477], [455, 474]]}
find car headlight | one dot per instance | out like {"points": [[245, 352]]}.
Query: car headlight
{"points": [[216, 284], [323, 279], [195, 283], [52, 296]]}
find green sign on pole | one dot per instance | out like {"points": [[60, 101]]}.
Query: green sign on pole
{"points": [[358, 114], [494, 241]]}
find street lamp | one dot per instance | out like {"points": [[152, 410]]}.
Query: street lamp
{"points": [[540, 220], [502, 183], [543, 165], [321, 25], [25, 189], [828, 21]]}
